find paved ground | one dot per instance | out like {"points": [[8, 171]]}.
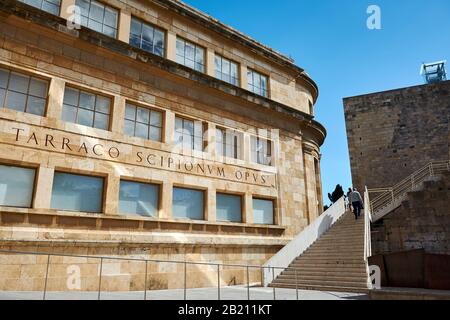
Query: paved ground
{"points": [[226, 293]]}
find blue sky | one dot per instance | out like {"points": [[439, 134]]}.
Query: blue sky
{"points": [[329, 39]]}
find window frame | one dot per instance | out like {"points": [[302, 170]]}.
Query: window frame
{"points": [[30, 75], [150, 109], [83, 174], [204, 139], [133, 180], [95, 93], [274, 209], [196, 46], [242, 207], [106, 5], [231, 62], [204, 204], [252, 88], [34, 185], [238, 138], [270, 143], [155, 28]]}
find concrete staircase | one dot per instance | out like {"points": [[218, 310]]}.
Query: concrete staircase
{"points": [[335, 262]]}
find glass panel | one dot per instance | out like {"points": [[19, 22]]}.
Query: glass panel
{"points": [[250, 80], [69, 113], [156, 118], [16, 101], [16, 186], [36, 106], [85, 117], [147, 46], [159, 39], [77, 193], [2, 97], [135, 41], [141, 130], [188, 127], [71, 96], [129, 128], [96, 11], [130, 112], [188, 204], [147, 33], [96, 26], [228, 207], [101, 121], [4, 74], [87, 100], [18, 82], [111, 17], [102, 104], [111, 32], [178, 125], [38, 88], [262, 211], [50, 8], [180, 48], [199, 55], [226, 68], [190, 52], [136, 27], [138, 199], [155, 133], [143, 115]]}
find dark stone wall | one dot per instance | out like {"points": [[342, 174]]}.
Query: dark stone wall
{"points": [[394, 133], [421, 222]]}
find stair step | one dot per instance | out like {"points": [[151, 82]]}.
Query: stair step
{"points": [[306, 278], [325, 274], [328, 268], [331, 283], [326, 263], [323, 288]]}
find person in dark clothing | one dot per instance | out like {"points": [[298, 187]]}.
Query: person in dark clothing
{"points": [[357, 202]]}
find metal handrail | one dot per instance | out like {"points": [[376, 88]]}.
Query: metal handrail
{"points": [[219, 266], [387, 197]]}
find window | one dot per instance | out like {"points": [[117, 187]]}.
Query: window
{"points": [[228, 207], [143, 123], [73, 192], [16, 186], [23, 93], [138, 199], [51, 6], [189, 134], [190, 55], [257, 83], [188, 204], [228, 143], [86, 108], [261, 151], [98, 17], [146, 37], [263, 211], [226, 70]]}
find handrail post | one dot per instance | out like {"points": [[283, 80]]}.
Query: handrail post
{"points": [[218, 282], [273, 279], [185, 280], [145, 281], [248, 284], [296, 283], [46, 278], [100, 279]]}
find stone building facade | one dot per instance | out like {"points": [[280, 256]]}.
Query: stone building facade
{"points": [[394, 133], [153, 131]]}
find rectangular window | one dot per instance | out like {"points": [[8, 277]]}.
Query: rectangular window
{"points": [[190, 55], [263, 212], [228, 143], [73, 192], [261, 151], [98, 17], [16, 186], [188, 204], [51, 6], [143, 122], [257, 83], [147, 37], [86, 108], [226, 70], [189, 134], [139, 199], [228, 207], [23, 93]]}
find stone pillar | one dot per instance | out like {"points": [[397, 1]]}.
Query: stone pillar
{"points": [[55, 98], [310, 182], [171, 46], [65, 4], [124, 26], [210, 57], [243, 76], [112, 185], [165, 211], [210, 209], [247, 215], [169, 127], [118, 114], [44, 186]]}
